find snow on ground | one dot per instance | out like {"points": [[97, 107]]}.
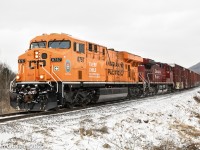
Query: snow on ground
{"points": [[167, 121]]}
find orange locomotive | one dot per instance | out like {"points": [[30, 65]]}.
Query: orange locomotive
{"points": [[59, 70]]}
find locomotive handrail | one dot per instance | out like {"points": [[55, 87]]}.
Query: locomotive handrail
{"points": [[51, 77], [148, 79], [59, 79], [56, 74], [143, 79], [11, 84], [148, 76]]}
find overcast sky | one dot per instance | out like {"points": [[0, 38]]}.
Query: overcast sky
{"points": [[163, 30]]}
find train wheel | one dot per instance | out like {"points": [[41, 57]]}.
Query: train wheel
{"points": [[84, 97], [134, 92], [69, 105]]}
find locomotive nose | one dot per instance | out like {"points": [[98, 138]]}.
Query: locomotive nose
{"points": [[39, 65]]}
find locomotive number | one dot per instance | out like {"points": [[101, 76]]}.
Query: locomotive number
{"points": [[92, 67], [56, 59], [21, 61]]}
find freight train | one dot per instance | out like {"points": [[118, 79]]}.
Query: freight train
{"points": [[59, 70]]}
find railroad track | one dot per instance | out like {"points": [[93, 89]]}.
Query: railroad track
{"points": [[24, 115], [12, 116]]}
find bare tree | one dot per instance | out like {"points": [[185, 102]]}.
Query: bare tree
{"points": [[6, 76]]}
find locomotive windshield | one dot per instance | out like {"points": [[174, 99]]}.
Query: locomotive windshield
{"points": [[38, 45], [60, 44]]}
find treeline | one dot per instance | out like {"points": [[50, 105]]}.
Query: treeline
{"points": [[6, 76]]}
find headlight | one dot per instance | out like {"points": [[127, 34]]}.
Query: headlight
{"points": [[41, 76], [17, 77], [37, 54]]}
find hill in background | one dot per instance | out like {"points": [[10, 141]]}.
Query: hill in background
{"points": [[196, 68]]}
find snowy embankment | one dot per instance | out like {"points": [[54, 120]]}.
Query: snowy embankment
{"points": [[168, 121]]}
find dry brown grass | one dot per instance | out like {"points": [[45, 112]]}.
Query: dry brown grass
{"points": [[92, 132], [197, 115], [82, 131], [5, 102], [187, 131], [197, 99], [193, 146], [170, 145], [106, 145], [166, 145], [89, 132], [86, 120], [5, 107], [103, 130]]}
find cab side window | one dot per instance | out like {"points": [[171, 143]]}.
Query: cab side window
{"points": [[81, 48], [90, 47], [78, 47], [95, 48]]}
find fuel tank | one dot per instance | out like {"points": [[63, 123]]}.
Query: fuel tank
{"points": [[109, 94]]}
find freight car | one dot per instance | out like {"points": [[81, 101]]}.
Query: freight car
{"points": [[184, 78], [59, 70]]}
